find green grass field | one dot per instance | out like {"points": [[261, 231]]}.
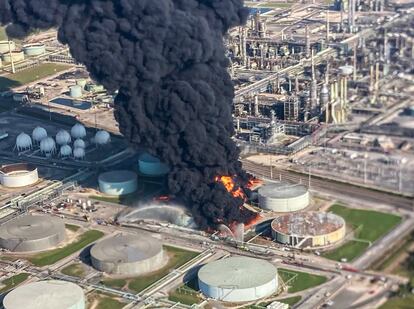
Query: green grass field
{"points": [[109, 303], [72, 227], [52, 256], [30, 75], [74, 270], [399, 303], [11, 282], [368, 226], [187, 294], [115, 283], [301, 281], [290, 300]]}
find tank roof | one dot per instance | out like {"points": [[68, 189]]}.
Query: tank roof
{"points": [[238, 272], [118, 176], [126, 248], [308, 223], [49, 294], [282, 190]]}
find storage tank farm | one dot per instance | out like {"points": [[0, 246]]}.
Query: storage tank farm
{"points": [[128, 255], [238, 279], [118, 182], [50, 294], [309, 230], [151, 166], [32, 233], [283, 197]]}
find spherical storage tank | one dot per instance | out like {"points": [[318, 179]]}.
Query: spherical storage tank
{"points": [[118, 182], [238, 279], [4, 46], [18, 175], [102, 137], [151, 166], [23, 142], [38, 134], [34, 49], [283, 197], [48, 145], [50, 294], [79, 153], [32, 233], [128, 255], [309, 229], [75, 91], [63, 137], [78, 131], [65, 151], [79, 143]]}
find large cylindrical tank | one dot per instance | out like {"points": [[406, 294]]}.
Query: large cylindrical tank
{"points": [[116, 183], [4, 46], [18, 175], [102, 137], [238, 279], [16, 55], [50, 294], [32, 233], [75, 91], [34, 49], [151, 166], [128, 255], [283, 197]]}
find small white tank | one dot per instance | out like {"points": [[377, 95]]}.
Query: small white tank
{"points": [[65, 151], [78, 131], [38, 134], [48, 145], [23, 142], [79, 153], [63, 137], [79, 143], [102, 137]]}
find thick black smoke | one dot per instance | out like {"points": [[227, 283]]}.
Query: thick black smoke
{"points": [[167, 59]]}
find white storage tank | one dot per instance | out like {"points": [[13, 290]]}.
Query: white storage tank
{"points": [[63, 137], [34, 49], [79, 153], [102, 137], [23, 142], [151, 166], [79, 143], [238, 279], [6, 46], [116, 183], [16, 55], [283, 197], [18, 175], [78, 131], [128, 255], [38, 134], [75, 91], [48, 146], [50, 294], [65, 151], [32, 233]]}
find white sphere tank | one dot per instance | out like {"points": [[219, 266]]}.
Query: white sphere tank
{"points": [[78, 131], [128, 255], [79, 143], [65, 151], [102, 137], [151, 166], [23, 142], [63, 137], [38, 134], [48, 145], [18, 175], [79, 153], [50, 294], [118, 183], [238, 279]]}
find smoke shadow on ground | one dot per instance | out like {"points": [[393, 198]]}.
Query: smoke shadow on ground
{"points": [[7, 84]]}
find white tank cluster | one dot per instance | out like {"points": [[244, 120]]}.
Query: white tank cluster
{"points": [[50, 294], [238, 279], [102, 138], [32, 233], [119, 182], [18, 175], [48, 146], [78, 131], [128, 255], [39, 134], [151, 166], [23, 142], [63, 138]]}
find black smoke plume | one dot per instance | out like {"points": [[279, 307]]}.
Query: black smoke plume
{"points": [[167, 60]]}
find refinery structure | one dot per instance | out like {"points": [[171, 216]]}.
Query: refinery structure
{"points": [[324, 120]]}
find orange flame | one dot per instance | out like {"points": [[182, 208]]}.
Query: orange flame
{"points": [[254, 182], [162, 198], [229, 184]]}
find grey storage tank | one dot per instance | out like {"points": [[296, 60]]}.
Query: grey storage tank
{"points": [[128, 255], [32, 233]]}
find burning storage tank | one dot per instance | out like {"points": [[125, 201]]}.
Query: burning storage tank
{"points": [[128, 255], [50, 294], [18, 175], [32, 233], [119, 182], [238, 279], [151, 166], [309, 229], [283, 197], [34, 49]]}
